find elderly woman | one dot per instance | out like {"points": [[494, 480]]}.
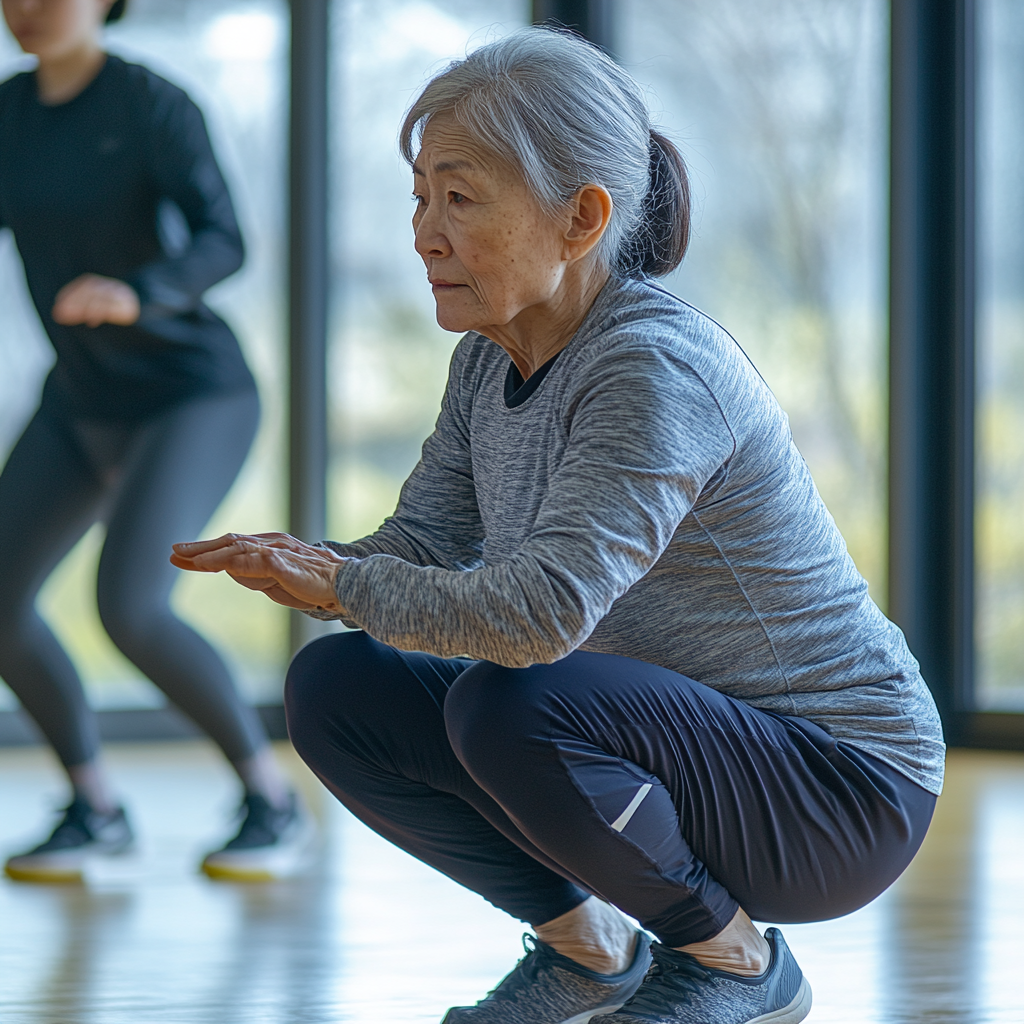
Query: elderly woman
{"points": [[613, 651]]}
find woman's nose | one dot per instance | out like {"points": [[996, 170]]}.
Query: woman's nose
{"points": [[431, 241]]}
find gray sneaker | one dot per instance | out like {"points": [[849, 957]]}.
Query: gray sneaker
{"points": [[678, 990], [548, 988]]}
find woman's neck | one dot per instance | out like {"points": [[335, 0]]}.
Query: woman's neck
{"points": [[540, 332], [60, 79]]}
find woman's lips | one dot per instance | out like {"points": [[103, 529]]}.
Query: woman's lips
{"points": [[445, 285]]}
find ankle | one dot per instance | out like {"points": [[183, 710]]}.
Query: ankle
{"points": [[261, 776], [738, 949], [594, 935], [91, 785]]}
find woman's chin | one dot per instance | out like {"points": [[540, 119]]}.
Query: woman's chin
{"points": [[451, 318]]}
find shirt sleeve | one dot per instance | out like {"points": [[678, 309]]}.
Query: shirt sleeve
{"points": [[644, 436], [185, 171]]}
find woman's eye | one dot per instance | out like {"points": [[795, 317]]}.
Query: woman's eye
{"points": [[417, 199], [457, 197]]}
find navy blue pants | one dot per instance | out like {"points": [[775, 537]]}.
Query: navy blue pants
{"points": [[602, 775]]}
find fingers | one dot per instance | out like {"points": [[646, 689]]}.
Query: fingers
{"points": [[182, 555], [93, 300], [241, 555], [190, 548], [281, 596], [255, 582], [287, 570], [185, 563]]}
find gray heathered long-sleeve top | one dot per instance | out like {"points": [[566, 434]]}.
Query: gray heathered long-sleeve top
{"points": [[645, 500]]}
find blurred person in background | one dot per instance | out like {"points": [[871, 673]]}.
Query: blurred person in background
{"points": [[614, 652], [123, 220]]}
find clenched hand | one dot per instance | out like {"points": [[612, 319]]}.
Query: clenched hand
{"points": [[93, 300]]}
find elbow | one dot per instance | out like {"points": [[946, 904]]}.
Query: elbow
{"points": [[555, 643], [531, 646]]}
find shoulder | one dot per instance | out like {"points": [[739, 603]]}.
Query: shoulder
{"points": [[475, 357], [637, 329], [155, 98], [142, 80], [643, 315], [645, 330], [15, 90]]}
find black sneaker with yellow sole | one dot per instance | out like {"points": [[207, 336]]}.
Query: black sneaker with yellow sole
{"points": [[272, 843], [81, 835]]}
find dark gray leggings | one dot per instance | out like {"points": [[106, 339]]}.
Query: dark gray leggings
{"points": [[153, 483]]}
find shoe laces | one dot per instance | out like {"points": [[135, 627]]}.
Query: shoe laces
{"points": [[523, 975], [260, 824], [77, 813], [74, 828], [672, 977]]}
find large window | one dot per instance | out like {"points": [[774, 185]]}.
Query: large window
{"points": [[1000, 422], [232, 58], [389, 359], [780, 106], [781, 110]]}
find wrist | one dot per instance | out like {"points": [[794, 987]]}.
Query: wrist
{"points": [[329, 599]]}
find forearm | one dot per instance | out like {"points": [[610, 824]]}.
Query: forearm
{"points": [[176, 285], [513, 614]]}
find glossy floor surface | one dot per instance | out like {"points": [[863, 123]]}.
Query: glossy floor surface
{"points": [[372, 936]]}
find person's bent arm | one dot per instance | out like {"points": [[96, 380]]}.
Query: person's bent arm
{"points": [[185, 171], [645, 439]]}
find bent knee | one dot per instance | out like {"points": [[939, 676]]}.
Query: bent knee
{"points": [[490, 710], [130, 627], [330, 682]]}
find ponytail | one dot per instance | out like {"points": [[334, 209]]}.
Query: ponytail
{"points": [[658, 244]]}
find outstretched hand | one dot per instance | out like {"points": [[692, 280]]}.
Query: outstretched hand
{"points": [[287, 570]]}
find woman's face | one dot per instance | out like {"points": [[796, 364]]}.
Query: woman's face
{"points": [[489, 249], [52, 28]]}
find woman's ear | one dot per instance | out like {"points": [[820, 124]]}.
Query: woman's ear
{"points": [[591, 211]]}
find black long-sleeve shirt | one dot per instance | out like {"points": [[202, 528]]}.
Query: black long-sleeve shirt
{"points": [[81, 186]]}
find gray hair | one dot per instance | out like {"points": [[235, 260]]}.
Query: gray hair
{"points": [[567, 115]]}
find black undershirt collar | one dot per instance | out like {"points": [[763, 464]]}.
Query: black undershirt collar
{"points": [[517, 390]]}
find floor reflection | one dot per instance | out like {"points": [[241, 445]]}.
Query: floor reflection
{"points": [[935, 934], [82, 924], [372, 936]]}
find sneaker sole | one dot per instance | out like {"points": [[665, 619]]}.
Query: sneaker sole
{"points": [[223, 873], [37, 869], [47, 876], [791, 1014], [582, 1018], [272, 866]]}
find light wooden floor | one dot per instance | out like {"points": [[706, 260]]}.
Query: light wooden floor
{"points": [[372, 936]]}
